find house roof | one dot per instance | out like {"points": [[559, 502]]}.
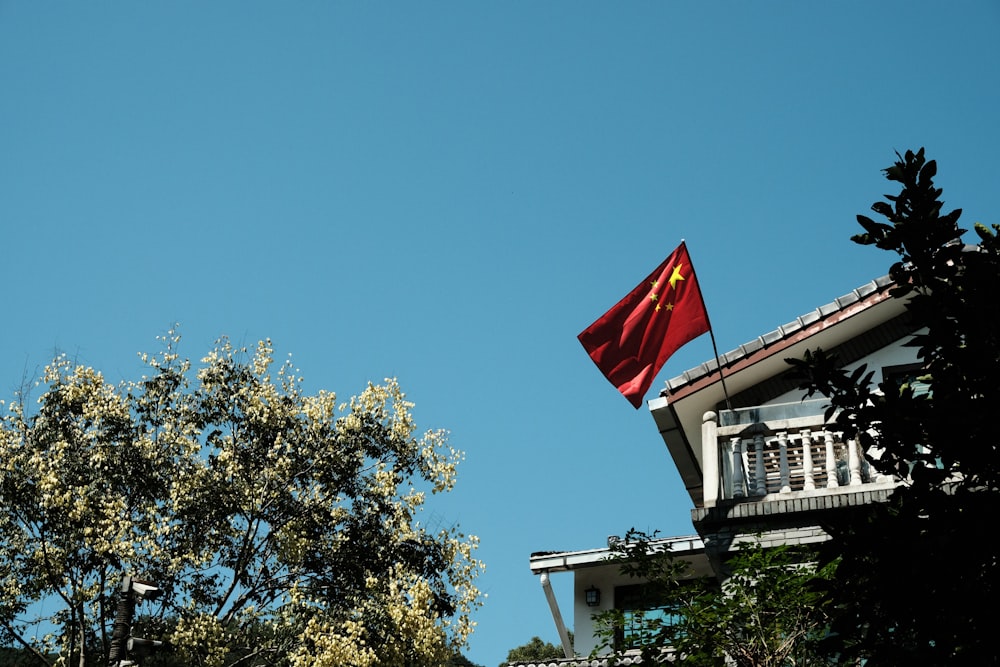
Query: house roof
{"points": [[562, 561], [861, 295], [855, 324]]}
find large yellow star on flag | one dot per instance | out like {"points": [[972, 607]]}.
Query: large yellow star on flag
{"points": [[675, 276]]}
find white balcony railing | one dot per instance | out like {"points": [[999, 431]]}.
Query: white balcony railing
{"points": [[776, 450]]}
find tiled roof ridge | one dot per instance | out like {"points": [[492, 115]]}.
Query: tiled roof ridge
{"points": [[630, 657], [823, 312], [606, 661]]}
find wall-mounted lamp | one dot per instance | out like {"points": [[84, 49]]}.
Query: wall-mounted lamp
{"points": [[593, 596]]}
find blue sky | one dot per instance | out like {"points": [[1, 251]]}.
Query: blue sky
{"points": [[449, 192]]}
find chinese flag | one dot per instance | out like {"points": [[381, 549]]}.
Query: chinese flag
{"points": [[631, 342]]}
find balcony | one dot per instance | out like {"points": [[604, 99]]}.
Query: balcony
{"points": [[780, 452]]}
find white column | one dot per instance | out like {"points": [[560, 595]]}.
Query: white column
{"points": [[786, 483], [557, 616], [854, 462], [808, 482], [738, 475], [831, 462], [710, 458], [760, 475]]}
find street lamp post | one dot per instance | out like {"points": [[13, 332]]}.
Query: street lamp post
{"points": [[122, 643]]}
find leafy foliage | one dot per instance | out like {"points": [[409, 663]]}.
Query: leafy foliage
{"points": [[767, 613], [282, 527], [459, 660], [916, 572], [536, 649]]}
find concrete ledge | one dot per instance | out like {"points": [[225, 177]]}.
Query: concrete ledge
{"points": [[797, 503]]}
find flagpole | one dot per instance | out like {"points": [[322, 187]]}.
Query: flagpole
{"points": [[718, 362], [711, 333]]}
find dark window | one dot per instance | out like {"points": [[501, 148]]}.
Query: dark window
{"points": [[645, 613]]}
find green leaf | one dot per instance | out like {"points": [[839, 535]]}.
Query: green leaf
{"points": [[877, 231], [882, 208], [928, 172], [984, 233], [894, 173]]}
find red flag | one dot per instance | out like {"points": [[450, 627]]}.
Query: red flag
{"points": [[631, 342]]}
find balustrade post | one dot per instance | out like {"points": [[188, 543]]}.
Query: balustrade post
{"points": [[808, 482], [760, 475], [786, 484], [854, 462], [710, 458], [831, 462], [739, 489]]}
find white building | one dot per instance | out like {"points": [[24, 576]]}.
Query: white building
{"points": [[763, 465]]}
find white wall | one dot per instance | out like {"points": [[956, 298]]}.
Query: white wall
{"points": [[890, 355], [605, 578]]}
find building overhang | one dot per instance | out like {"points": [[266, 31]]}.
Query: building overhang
{"points": [[565, 561]]}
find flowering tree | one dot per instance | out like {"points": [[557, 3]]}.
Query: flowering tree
{"points": [[281, 527]]}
